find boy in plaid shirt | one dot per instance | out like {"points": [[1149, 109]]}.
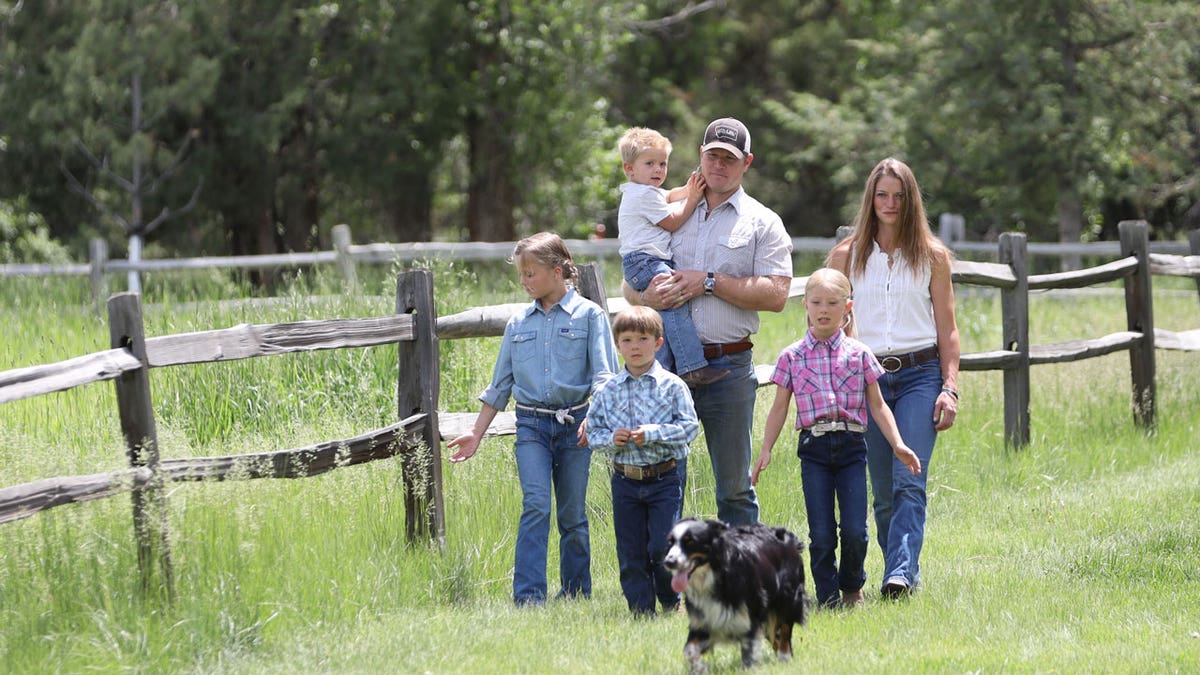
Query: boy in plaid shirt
{"points": [[643, 419], [832, 377]]}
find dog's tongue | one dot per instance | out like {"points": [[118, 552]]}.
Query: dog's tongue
{"points": [[679, 581]]}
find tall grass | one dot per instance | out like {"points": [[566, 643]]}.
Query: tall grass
{"points": [[1076, 553]]}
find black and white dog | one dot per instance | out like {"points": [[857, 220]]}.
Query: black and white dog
{"points": [[741, 584]]}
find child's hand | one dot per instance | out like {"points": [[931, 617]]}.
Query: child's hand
{"points": [[764, 458], [621, 437], [467, 444], [909, 459], [581, 434], [638, 436], [695, 186]]}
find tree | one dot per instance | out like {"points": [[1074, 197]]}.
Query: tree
{"points": [[1026, 105], [124, 81], [533, 113]]}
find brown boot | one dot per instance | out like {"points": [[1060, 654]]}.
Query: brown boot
{"points": [[703, 376], [852, 599]]}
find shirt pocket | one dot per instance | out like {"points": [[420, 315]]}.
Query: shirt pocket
{"points": [[852, 383], [806, 381], [571, 343], [524, 346], [734, 254]]}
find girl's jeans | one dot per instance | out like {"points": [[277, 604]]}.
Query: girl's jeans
{"points": [[833, 472]]}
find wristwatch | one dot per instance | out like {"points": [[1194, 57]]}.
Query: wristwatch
{"points": [[710, 282]]}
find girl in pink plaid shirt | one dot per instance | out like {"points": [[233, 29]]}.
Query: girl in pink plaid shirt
{"points": [[832, 377]]}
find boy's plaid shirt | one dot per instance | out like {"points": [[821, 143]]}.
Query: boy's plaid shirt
{"points": [[659, 401]]}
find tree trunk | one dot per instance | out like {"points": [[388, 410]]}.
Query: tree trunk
{"points": [[298, 196], [410, 211], [491, 197], [1070, 220]]}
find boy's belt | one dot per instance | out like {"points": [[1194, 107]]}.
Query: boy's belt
{"points": [[897, 361], [712, 351], [635, 472]]}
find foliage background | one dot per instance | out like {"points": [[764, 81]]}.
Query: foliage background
{"points": [[487, 120]]}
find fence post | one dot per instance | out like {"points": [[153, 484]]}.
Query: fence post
{"points": [[590, 285], [1014, 309], [1139, 316], [417, 391], [98, 258], [1194, 246], [345, 263], [126, 331]]}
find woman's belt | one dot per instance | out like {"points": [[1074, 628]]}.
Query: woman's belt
{"points": [[894, 362]]}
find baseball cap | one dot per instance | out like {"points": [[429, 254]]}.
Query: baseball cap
{"points": [[729, 134]]}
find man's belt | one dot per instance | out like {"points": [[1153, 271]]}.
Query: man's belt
{"points": [[895, 362], [635, 472], [712, 351]]}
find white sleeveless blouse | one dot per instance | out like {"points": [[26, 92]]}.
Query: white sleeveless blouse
{"points": [[892, 306]]}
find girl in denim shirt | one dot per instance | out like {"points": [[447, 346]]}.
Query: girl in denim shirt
{"points": [[833, 378], [553, 355]]}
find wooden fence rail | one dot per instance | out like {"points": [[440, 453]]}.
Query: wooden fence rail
{"points": [[415, 330], [346, 256]]}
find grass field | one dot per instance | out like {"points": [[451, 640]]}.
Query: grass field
{"points": [[1079, 553]]}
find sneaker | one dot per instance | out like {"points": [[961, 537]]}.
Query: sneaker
{"points": [[852, 599], [703, 376], [895, 587]]}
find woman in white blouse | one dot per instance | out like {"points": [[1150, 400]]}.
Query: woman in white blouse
{"points": [[904, 308]]}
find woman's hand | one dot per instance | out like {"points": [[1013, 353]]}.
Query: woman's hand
{"points": [[945, 410]]}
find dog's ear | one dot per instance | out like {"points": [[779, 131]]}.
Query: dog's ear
{"points": [[718, 526]]}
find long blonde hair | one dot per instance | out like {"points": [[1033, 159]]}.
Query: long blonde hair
{"points": [[914, 238], [832, 280]]}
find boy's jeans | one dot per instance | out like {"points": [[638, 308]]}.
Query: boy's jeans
{"points": [[681, 351], [643, 513]]}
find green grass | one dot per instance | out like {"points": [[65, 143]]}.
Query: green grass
{"points": [[1077, 553]]}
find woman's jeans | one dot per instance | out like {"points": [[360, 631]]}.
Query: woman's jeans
{"points": [[547, 456], [643, 513], [833, 472], [899, 497]]}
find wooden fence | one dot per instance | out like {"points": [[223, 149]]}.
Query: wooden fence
{"points": [[416, 330], [346, 256]]}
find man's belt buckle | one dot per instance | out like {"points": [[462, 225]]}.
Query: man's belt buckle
{"points": [[891, 363]]}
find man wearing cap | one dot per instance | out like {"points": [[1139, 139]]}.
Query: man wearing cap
{"points": [[733, 258]]}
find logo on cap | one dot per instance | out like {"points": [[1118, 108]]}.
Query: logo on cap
{"points": [[729, 134]]}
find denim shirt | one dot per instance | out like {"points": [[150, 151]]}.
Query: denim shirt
{"points": [[553, 359]]}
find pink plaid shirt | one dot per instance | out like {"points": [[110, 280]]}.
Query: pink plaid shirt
{"points": [[829, 379]]}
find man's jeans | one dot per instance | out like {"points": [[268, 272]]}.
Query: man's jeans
{"points": [[726, 411], [833, 467], [899, 497], [547, 455], [643, 513]]}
